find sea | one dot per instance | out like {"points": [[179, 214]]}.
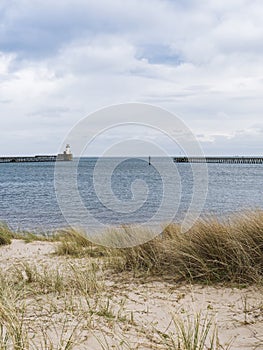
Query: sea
{"points": [[123, 191]]}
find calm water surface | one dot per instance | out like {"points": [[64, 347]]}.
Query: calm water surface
{"points": [[28, 199]]}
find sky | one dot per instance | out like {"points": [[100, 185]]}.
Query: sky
{"points": [[201, 60]]}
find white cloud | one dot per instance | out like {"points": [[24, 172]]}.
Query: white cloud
{"points": [[60, 61]]}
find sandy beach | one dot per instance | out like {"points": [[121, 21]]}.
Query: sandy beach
{"points": [[122, 311]]}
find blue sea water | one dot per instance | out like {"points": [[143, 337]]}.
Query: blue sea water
{"points": [[28, 198]]}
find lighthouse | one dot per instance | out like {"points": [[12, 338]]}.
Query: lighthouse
{"points": [[66, 155], [67, 150]]}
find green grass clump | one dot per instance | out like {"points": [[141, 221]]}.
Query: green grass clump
{"points": [[76, 243], [193, 332], [5, 234]]}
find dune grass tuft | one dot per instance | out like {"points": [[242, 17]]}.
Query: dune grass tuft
{"points": [[211, 251], [193, 332], [76, 243], [5, 234]]}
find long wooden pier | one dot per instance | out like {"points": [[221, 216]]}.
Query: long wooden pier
{"points": [[224, 160]]}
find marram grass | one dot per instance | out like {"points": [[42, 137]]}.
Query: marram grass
{"points": [[212, 250], [55, 306], [5, 234]]}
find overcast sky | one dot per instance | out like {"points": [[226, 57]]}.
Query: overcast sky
{"points": [[199, 59]]}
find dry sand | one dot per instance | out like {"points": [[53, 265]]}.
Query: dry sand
{"points": [[135, 313]]}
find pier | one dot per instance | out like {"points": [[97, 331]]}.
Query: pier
{"points": [[65, 156], [223, 160], [28, 159]]}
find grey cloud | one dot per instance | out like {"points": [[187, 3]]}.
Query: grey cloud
{"points": [[194, 58], [36, 29], [5, 101], [163, 32], [51, 112]]}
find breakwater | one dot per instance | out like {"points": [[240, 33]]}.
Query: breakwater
{"points": [[65, 156], [28, 159], [54, 158], [223, 160]]}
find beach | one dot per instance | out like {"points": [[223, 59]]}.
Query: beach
{"points": [[66, 302]]}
